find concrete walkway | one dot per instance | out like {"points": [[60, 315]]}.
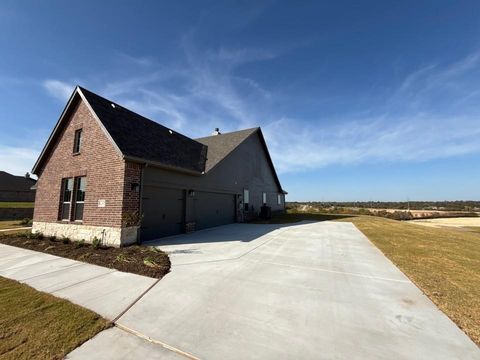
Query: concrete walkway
{"points": [[106, 291], [306, 291]]}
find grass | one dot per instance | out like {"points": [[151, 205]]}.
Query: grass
{"points": [[9, 204], [475, 229], [443, 263], [35, 325], [10, 224]]}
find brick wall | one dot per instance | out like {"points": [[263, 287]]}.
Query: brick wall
{"points": [[102, 165], [131, 197]]}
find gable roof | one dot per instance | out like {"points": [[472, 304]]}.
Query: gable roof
{"points": [[139, 139], [221, 145], [135, 137], [9, 182]]}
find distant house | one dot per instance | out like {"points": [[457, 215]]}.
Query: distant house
{"points": [[109, 173], [16, 188]]}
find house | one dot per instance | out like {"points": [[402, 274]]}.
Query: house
{"points": [[111, 174], [16, 188]]}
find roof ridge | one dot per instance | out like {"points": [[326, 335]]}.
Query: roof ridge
{"points": [[230, 132]]}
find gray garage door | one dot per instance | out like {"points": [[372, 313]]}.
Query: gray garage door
{"points": [[213, 209], [163, 212]]}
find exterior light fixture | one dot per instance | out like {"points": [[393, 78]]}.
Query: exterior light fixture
{"points": [[135, 186]]}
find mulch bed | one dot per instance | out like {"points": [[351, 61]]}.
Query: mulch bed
{"points": [[141, 260]]}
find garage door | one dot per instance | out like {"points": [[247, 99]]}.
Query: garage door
{"points": [[213, 209], [163, 211]]}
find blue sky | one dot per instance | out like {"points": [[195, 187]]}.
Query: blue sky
{"points": [[370, 100]]}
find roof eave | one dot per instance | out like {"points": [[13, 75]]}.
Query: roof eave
{"points": [[52, 134], [163, 166], [264, 143]]}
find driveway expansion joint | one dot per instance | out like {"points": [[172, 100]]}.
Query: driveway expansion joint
{"points": [[157, 342]]}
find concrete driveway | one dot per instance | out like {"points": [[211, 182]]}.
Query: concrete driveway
{"points": [[305, 291]]}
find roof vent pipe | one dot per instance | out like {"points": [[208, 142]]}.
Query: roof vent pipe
{"points": [[216, 131]]}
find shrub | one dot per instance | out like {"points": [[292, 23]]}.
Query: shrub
{"points": [[52, 238], [150, 262], [78, 244], [65, 240], [26, 221], [401, 215], [132, 218], [35, 235], [96, 242]]}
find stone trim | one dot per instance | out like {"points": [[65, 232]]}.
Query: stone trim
{"points": [[112, 236]]}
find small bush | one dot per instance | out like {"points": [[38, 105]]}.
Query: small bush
{"points": [[52, 238], [79, 244], [65, 240], [121, 258], [96, 242], [35, 235], [150, 262], [26, 221]]}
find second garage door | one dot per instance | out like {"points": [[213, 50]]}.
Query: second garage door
{"points": [[213, 209]]}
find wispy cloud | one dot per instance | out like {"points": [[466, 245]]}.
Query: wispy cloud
{"points": [[17, 160], [433, 113], [58, 89], [404, 140]]}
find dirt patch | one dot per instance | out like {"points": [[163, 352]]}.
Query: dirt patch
{"points": [[141, 260]]}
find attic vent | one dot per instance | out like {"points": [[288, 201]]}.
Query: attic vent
{"points": [[113, 106], [170, 131]]}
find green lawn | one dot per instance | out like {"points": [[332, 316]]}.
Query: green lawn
{"points": [[8, 204], [444, 263], [11, 224], [35, 325]]}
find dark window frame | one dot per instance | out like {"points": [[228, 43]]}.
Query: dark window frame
{"points": [[63, 203], [79, 197], [77, 141], [76, 198]]}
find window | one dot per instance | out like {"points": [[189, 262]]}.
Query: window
{"points": [[77, 143], [80, 184], [264, 198], [73, 192], [246, 198], [279, 199], [67, 189]]}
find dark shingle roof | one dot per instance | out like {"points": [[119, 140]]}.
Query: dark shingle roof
{"points": [[9, 182], [219, 146], [140, 138]]}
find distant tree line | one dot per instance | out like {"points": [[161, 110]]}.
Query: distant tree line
{"points": [[459, 205]]}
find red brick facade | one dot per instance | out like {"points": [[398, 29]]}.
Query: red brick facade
{"points": [[108, 176]]}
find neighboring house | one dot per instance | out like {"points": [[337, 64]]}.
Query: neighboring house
{"points": [[109, 173], [16, 188]]}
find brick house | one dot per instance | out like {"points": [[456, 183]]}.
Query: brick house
{"points": [[109, 173]]}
